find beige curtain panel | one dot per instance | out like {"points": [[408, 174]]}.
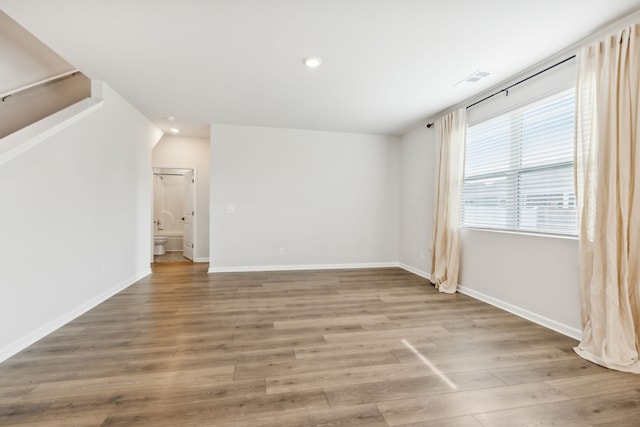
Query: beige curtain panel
{"points": [[608, 189], [451, 133]]}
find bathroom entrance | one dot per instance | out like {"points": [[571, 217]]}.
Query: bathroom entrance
{"points": [[173, 214]]}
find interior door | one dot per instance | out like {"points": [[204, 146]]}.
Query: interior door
{"points": [[188, 213]]}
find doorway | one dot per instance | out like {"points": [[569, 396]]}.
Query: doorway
{"points": [[174, 193]]}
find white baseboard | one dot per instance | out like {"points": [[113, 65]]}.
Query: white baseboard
{"points": [[518, 311], [415, 271], [200, 259], [24, 342], [526, 314], [240, 269]]}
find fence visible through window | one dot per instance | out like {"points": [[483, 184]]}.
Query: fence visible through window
{"points": [[519, 169]]}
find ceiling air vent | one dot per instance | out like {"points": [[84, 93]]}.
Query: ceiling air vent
{"points": [[474, 77]]}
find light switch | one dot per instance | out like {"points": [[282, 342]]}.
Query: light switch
{"points": [[231, 210]]}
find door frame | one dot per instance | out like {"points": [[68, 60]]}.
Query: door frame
{"points": [[195, 204]]}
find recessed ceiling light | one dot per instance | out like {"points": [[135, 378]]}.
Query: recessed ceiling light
{"points": [[171, 119], [174, 130], [312, 61]]}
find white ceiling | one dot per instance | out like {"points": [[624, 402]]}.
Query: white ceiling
{"points": [[387, 64]]}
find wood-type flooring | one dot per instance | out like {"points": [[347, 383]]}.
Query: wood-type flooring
{"points": [[171, 256], [375, 347]]}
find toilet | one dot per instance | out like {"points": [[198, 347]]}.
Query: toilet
{"points": [[158, 245]]}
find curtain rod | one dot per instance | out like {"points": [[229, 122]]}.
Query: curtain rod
{"points": [[506, 89]]}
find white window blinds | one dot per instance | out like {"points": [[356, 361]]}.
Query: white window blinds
{"points": [[519, 169]]}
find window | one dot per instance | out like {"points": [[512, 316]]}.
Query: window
{"points": [[519, 169]]}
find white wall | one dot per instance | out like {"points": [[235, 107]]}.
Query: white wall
{"points": [[325, 198], [75, 221], [536, 277], [30, 59], [194, 153], [416, 199]]}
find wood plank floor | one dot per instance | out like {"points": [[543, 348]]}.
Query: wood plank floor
{"points": [[377, 347]]}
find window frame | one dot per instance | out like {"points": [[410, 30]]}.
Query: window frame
{"points": [[515, 171]]}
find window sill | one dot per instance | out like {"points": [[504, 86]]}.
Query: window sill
{"points": [[524, 233]]}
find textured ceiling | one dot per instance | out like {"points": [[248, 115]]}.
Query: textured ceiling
{"points": [[387, 64]]}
